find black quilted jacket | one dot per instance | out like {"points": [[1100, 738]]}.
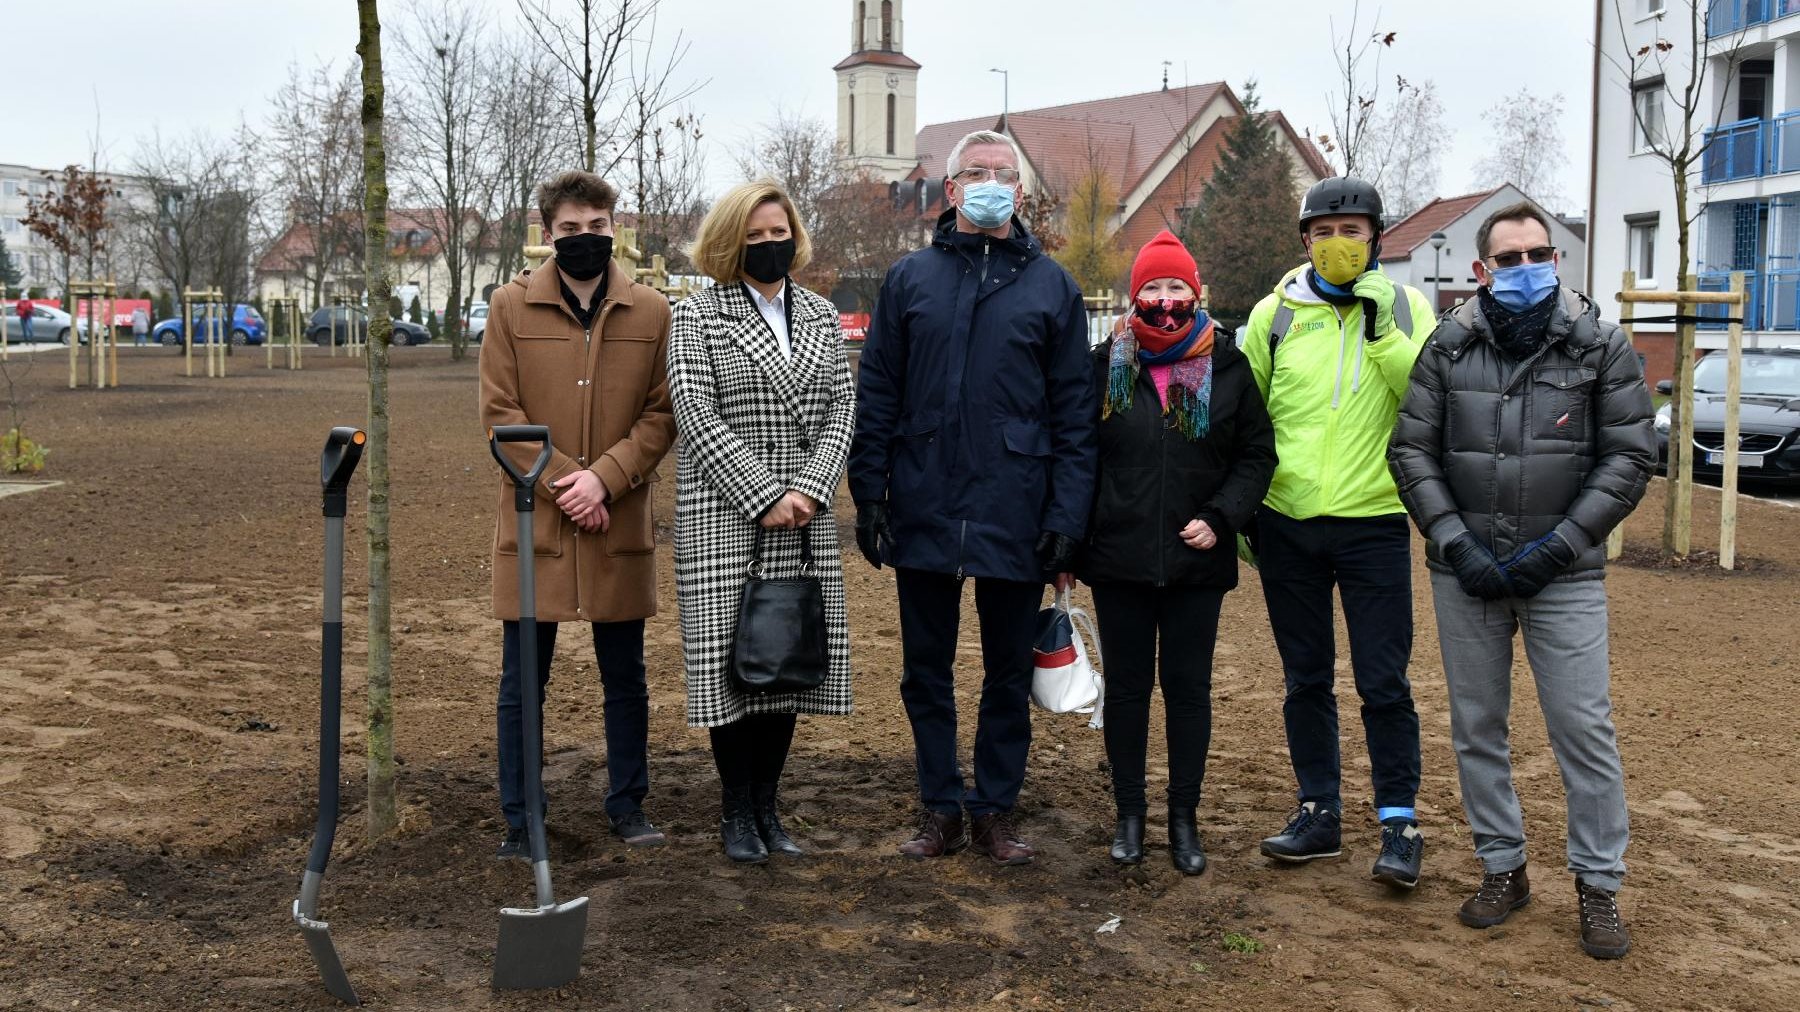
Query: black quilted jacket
{"points": [[1516, 448]]}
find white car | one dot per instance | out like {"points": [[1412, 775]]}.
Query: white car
{"points": [[47, 324], [475, 324]]}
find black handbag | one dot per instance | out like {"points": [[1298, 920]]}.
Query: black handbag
{"points": [[780, 642]]}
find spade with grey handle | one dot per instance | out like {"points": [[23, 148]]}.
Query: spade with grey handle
{"points": [[343, 448], [540, 947]]}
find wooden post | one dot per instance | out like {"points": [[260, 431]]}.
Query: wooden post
{"points": [[1684, 387], [1615, 542], [222, 324], [74, 336], [4, 354], [1734, 383], [269, 337], [187, 330], [97, 304], [112, 333], [535, 251]]}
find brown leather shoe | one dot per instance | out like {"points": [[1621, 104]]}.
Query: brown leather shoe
{"points": [[1499, 895], [995, 836], [939, 835], [1603, 934]]}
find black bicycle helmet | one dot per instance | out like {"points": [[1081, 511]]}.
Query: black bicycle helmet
{"points": [[1343, 195]]}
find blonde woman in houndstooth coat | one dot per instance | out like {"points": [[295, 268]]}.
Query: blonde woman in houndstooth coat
{"points": [[764, 405]]}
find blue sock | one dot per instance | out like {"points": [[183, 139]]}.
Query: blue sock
{"points": [[1384, 814]]}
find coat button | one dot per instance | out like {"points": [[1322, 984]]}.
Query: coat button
{"points": [[1505, 397], [769, 446], [1503, 456], [581, 383], [805, 444]]}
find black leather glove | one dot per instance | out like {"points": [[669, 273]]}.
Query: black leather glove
{"points": [[1543, 560], [872, 534], [1055, 552], [1475, 568]]}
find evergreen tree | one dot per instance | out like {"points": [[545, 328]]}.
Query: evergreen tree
{"points": [[415, 312], [1243, 232], [9, 272]]}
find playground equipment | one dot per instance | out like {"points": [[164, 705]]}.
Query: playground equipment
{"points": [[625, 251], [539, 947], [343, 448], [1681, 442], [287, 310], [214, 337], [102, 338]]}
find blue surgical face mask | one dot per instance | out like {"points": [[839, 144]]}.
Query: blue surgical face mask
{"points": [[987, 205], [1519, 288]]}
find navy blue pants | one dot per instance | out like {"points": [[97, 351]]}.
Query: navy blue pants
{"points": [[1369, 560], [930, 614], [619, 651]]}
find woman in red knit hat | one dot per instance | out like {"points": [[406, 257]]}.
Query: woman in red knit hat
{"points": [[1186, 454]]}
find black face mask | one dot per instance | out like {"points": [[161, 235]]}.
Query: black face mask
{"points": [[768, 262], [583, 256]]}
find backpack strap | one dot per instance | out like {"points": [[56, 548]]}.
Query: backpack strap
{"points": [[1402, 310], [1284, 318]]}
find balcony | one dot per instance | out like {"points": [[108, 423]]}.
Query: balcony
{"points": [[1782, 284], [1724, 17], [1752, 147]]}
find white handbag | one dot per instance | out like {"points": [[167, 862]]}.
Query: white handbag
{"points": [[1066, 676]]}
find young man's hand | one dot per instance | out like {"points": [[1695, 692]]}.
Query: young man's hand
{"points": [[582, 497]]}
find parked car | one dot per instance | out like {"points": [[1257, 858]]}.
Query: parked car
{"points": [[47, 324], [1768, 416], [343, 321], [475, 323], [245, 327]]}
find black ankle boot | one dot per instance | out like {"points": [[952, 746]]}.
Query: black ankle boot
{"points": [[737, 826], [1128, 840], [1184, 842], [768, 822]]}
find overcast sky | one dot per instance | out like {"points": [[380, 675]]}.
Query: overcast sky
{"points": [[181, 64]]}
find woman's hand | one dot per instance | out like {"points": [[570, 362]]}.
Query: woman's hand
{"points": [[1064, 582], [803, 505], [781, 514], [1198, 534]]}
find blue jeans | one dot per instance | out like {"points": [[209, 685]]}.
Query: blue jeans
{"points": [[619, 651], [24, 328], [1369, 560]]}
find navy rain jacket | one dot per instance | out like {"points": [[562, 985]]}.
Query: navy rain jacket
{"points": [[976, 407]]}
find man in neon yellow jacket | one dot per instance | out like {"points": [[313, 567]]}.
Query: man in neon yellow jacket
{"points": [[1332, 349]]}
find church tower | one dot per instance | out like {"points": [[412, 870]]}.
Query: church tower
{"points": [[878, 92]]}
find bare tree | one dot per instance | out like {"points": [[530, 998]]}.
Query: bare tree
{"points": [[382, 815], [1358, 56], [671, 172], [314, 138], [590, 42], [441, 66], [1670, 130], [1526, 148], [528, 134], [1405, 147]]}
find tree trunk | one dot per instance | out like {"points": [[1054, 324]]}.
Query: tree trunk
{"points": [[382, 817], [1678, 504]]}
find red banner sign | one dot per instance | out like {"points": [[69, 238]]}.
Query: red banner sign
{"points": [[854, 325]]}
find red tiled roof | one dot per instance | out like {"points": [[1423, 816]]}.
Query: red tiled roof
{"points": [[1398, 242], [878, 57], [1179, 189], [1309, 151]]}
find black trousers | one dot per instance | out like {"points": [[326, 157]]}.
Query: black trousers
{"points": [[930, 613], [1369, 560], [752, 749], [619, 651], [1133, 618]]}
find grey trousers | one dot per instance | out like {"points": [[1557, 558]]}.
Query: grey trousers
{"points": [[1565, 641]]}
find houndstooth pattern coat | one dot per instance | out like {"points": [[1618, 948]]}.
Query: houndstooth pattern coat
{"points": [[754, 425]]}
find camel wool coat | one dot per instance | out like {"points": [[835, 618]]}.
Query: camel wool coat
{"points": [[605, 396]]}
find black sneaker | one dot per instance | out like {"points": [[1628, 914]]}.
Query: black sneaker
{"points": [[1313, 832], [1402, 853], [514, 846], [637, 831]]}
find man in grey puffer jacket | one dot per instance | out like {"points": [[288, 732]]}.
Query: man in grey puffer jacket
{"points": [[1524, 439]]}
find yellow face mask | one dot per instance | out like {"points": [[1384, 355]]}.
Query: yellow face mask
{"points": [[1340, 260]]}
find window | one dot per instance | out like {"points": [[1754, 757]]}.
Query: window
{"points": [[890, 123], [852, 140], [887, 24], [1640, 255], [11, 188], [9, 225], [1647, 115], [1650, 7]]}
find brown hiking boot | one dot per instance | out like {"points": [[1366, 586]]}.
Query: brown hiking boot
{"points": [[1603, 934], [1500, 894], [938, 835], [995, 836]]}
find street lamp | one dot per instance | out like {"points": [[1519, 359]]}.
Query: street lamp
{"points": [[1438, 239], [1005, 94]]}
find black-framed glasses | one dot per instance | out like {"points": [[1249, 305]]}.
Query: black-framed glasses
{"points": [[1537, 255], [978, 174]]}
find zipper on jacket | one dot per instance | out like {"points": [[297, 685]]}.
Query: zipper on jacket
{"points": [[1337, 386], [984, 260], [962, 539], [1162, 489]]}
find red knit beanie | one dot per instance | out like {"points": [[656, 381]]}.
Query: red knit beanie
{"points": [[1164, 257]]}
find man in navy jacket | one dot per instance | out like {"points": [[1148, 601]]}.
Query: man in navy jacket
{"points": [[974, 456]]}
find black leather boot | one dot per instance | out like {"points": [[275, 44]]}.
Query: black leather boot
{"points": [[1128, 840], [768, 823], [737, 826], [1185, 851]]}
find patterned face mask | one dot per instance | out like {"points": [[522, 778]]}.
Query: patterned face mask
{"points": [[1166, 314]]}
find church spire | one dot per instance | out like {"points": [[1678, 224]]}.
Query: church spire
{"points": [[878, 92]]}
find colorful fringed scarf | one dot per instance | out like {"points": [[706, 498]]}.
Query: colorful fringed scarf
{"points": [[1189, 399]]}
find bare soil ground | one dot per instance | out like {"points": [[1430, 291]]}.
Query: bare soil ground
{"points": [[158, 699]]}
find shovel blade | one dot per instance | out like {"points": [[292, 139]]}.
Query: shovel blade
{"points": [[325, 957], [540, 947]]}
